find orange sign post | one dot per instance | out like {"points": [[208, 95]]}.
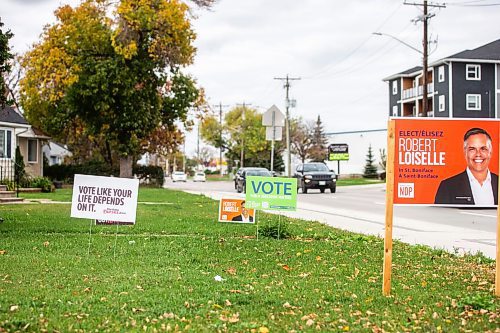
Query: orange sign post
{"points": [[389, 203]]}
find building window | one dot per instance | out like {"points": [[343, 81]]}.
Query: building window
{"points": [[32, 150], [473, 102], [442, 104], [441, 73], [395, 111], [5, 144], [473, 72], [394, 87]]}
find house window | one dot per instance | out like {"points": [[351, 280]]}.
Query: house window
{"points": [[5, 144], [395, 111], [394, 87], [473, 102], [473, 72], [442, 104], [441, 73], [32, 150]]}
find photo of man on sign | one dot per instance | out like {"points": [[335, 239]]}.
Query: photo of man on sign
{"points": [[476, 185], [244, 216]]}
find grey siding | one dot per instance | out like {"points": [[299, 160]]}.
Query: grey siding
{"points": [[462, 87], [442, 88], [393, 99]]}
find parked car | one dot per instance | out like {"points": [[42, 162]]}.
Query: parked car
{"points": [[240, 180], [179, 176], [199, 177], [315, 175]]}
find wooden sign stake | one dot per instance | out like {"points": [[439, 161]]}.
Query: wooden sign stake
{"points": [[389, 203]]}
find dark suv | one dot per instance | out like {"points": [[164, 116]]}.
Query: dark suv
{"points": [[315, 175], [241, 179]]}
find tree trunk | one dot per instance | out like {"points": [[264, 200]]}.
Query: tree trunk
{"points": [[126, 166]]}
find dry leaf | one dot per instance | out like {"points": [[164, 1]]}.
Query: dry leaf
{"points": [[231, 270], [356, 272], [14, 308], [263, 329], [228, 302], [285, 267], [46, 243], [3, 252]]}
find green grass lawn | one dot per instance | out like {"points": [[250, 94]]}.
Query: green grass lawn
{"points": [[159, 275]]}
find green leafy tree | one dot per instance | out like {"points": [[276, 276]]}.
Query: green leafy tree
{"points": [[370, 167], [5, 57], [318, 149], [112, 80], [243, 135]]}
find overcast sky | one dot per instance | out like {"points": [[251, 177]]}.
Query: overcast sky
{"points": [[244, 44]]}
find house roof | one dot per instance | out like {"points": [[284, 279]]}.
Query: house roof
{"points": [[490, 51], [407, 73], [487, 53], [9, 115]]}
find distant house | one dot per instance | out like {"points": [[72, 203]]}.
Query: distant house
{"points": [[55, 152], [15, 131], [463, 85]]}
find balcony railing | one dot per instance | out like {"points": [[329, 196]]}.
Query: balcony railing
{"points": [[414, 92]]}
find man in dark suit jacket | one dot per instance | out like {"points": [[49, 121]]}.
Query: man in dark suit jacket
{"points": [[244, 216], [458, 190]]}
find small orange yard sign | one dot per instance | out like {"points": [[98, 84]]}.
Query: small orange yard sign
{"points": [[234, 210]]}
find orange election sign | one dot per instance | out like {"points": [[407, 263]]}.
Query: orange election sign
{"points": [[233, 210], [432, 157]]}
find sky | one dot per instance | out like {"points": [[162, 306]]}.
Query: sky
{"points": [[243, 45]]}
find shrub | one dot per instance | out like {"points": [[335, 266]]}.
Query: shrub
{"points": [[42, 182], [150, 174], [11, 186], [275, 230]]}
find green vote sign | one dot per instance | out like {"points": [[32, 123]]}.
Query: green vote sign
{"points": [[271, 193]]}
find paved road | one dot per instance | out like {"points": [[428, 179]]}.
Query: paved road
{"points": [[362, 209]]}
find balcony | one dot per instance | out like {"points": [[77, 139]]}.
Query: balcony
{"points": [[414, 92]]}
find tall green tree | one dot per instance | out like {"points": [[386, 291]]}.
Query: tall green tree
{"points": [[112, 79], [318, 150], [5, 57], [243, 138], [370, 167]]}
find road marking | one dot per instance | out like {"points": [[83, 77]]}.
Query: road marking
{"points": [[478, 214]]}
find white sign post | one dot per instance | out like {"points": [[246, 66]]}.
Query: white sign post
{"points": [[274, 120], [105, 198]]}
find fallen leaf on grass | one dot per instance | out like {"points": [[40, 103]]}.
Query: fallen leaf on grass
{"points": [[46, 243], [231, 270], [3, 252], [285, 267], [228, 302], [232, 319], [14, 308], [263, 329]]}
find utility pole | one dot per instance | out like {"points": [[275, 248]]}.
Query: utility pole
{"points": [[220, 135], [425, 43], [242, 152], [287, 80]]}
